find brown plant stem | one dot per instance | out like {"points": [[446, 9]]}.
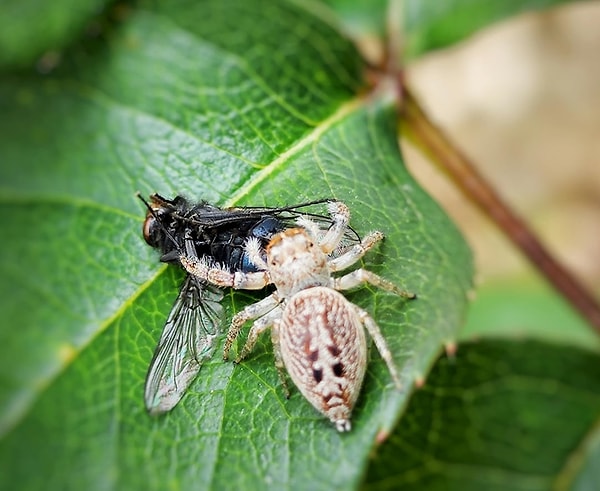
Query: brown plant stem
{"points": [[432, 139]]}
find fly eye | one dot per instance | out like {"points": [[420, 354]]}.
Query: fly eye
{"points": [[148, 230]]}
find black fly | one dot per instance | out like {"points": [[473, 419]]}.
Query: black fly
{"points": [[217, 235]]}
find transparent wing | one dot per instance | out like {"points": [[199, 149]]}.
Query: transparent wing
{"points": [[187, 340]]}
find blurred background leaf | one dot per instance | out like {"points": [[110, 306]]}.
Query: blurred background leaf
{"points": [[438, 25], [31, 29], [497, 417]]}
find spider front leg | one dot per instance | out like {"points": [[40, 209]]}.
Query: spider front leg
{"points": [[340, 217], [356, 252], [204, 270]]}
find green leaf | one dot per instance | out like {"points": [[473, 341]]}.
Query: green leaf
{"points": [[360, 17], [430, 25], [434, 25], [232, 102], [526, 306], [500, 415], [30, 28]]}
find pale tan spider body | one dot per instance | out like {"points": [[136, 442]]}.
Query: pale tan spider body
{"points": [[318, 335], [324, 350]]}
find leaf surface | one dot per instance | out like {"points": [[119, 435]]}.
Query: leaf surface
{"points": [[501, 415]]}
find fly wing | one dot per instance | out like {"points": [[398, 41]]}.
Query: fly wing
{"points": [[210, 217], [206, 215], [187, 340]]}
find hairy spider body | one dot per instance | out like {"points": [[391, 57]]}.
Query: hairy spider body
{"points": [[318, 335], [324, 350]]}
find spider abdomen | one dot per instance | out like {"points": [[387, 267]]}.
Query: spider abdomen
{"points": [[324, 349]]}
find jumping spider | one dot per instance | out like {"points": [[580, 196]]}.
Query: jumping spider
{"points": [[318, 335]]}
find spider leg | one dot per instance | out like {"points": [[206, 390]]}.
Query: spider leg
{"points": [[380, 343], [340, 216], [252, 311], [219, 276], [355, 253], [259, 326], [361, 276], [279, 364]]}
